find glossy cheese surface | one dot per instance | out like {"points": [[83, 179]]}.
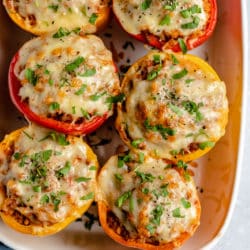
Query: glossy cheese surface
{"points": [[49, 15], [67, 76], [46, 176], [172, 106], [164, 19], [155, 202]]}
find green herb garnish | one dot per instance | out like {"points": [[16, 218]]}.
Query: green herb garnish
{"points": [[31, 76], [75, 64], [164, 131], [135, 143], [206, 144], [175, 109], [122, 159], [64, 170], [88, 196], [146, 4], [195, 9], [145, 177], [192, 25], [54, 106], [182, 45], [53, 7], [93, 18], [120, 201], [82, 179], [61, 33], [185, 203], [177, 213], [118, 177], [166, 20], [88, 72], [180, 74], [81, 90]]}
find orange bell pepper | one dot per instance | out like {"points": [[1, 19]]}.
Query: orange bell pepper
{"points": [[150, 118], [14, 217]]}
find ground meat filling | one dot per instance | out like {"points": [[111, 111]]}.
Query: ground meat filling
{"points": [[114, 223]]}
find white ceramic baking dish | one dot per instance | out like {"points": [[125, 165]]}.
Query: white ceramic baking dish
{"points": [[217, 174]]}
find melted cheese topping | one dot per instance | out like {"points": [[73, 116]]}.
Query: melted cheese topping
{"points": [[47, 176], [166, 19], [171, 107], [151, 199], [72, 75], [49, 15]]}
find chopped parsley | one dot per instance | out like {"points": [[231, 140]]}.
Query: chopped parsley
{"points": [[131, 204], [64, 170], [75, 64], [145, 177], [157, 213], [182, 164], [118, 177], [152, 74], [206, 144], [88, 72], [93, 168], [61, 139], [125, 196], [182, 45], [53, 7], [193, 108], [192, 25], [175, 109], [31, 76], [123, 159], [82, 179], [185, 203], [175, 61], [166, 20], [170, 5], [92, 18], [146, 4], [37, 189], [44, 199], [195, 9], [56, 199], [115, 99], [17, 155], [164, 131], [180, 74], [89, 196], [157, 59], [136, 143], [85, 114], [177, 213], [145, 190], [54, 106], [97, 96], [141, 157], [81, 90], [61, 33], [150, 228], [189, 81]]}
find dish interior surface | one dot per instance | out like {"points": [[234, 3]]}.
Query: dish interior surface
{"points": [[214, 173]]}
